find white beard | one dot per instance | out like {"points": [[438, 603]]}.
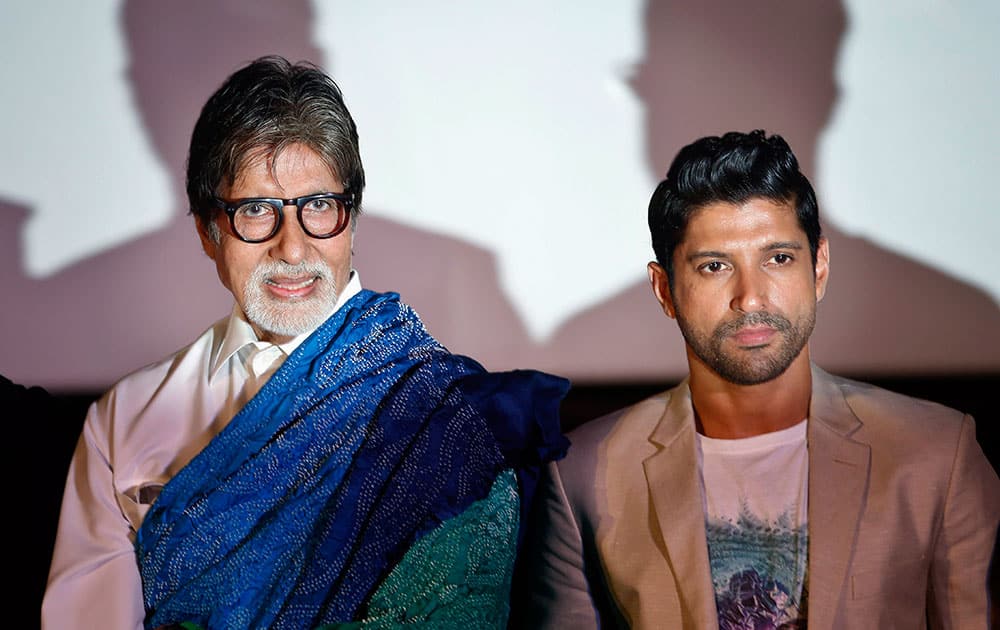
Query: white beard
{"points": [[289, 317]]}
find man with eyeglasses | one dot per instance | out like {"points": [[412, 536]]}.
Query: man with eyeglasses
{"points": [[316, 456]]}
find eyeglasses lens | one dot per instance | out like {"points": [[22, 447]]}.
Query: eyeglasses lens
{"points": [[320, 218]]}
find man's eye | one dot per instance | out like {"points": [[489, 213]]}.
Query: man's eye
{"points": [[255, 210], [319, 205], [713, 267], [782, 259]]}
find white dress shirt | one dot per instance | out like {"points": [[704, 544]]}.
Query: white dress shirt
{"points": [[140, 433]]}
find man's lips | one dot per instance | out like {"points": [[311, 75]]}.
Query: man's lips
{"points": [[754, 336], [287, 287]]}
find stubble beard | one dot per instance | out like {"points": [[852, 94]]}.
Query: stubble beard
{"points": [[755, 365], [289, 317]]}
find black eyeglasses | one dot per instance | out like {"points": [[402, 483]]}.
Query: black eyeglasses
{"points": [[257, 219]]}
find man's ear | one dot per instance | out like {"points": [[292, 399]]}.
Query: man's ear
{"points": [[822, 267], [208, 244], [661, 288]]}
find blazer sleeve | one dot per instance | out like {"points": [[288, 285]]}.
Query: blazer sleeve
{"points": [[958, 594], [557, 593]]}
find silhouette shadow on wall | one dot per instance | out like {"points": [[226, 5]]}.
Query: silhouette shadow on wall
{"points": [[714, 66], [708, 67]]}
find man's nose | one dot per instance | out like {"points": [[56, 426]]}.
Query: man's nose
{"points": [[291, 242], [750, 293]]}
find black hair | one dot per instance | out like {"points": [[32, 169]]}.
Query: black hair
{"points": [[732, 168]]}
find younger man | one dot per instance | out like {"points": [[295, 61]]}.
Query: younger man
{"points": [[762, 492]]}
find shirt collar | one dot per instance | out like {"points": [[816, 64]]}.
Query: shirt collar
{"points": [[238, 333]]}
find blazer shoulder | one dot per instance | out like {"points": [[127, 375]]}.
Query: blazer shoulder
{"points": [[907, 427], [876, 404], [625, 429], [645, 412]]}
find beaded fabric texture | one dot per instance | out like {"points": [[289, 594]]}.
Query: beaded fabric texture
{"points": [[370, 435], [458, 575]]}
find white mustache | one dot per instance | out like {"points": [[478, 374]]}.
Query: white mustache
{"points": [[265, 271]]}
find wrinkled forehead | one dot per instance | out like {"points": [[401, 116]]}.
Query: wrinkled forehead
{"points": [[276, 164]]}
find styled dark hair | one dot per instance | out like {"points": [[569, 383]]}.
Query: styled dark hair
{"points": [[266, 106], [733, 168]]}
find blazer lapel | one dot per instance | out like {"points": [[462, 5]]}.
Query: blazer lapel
{"points": [[675, 488], [838, 483]]}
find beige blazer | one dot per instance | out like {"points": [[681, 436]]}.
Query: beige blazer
{"points": [[903, 513]]}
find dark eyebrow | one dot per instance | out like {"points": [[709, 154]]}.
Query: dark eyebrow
{"points": [[782, 245], [707, 254], [796, 245]]}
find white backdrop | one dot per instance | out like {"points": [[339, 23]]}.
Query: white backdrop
{"points": [[521, 135]]}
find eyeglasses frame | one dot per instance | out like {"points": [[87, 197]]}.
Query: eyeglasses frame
{"points": [[230, 208]]}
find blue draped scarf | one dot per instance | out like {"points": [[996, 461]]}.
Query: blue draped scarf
{"points": [[368, 436]]}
